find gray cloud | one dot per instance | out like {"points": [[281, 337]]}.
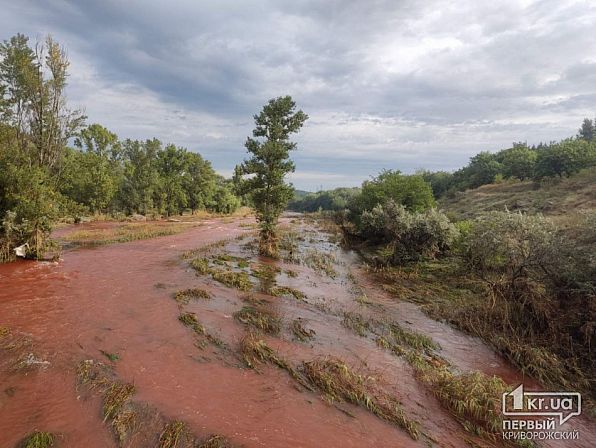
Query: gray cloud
{"points": [[387, 84]]}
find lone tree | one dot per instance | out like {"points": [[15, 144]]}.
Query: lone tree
{"points": [[270, 147]]}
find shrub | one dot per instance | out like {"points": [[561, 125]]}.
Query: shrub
{"points": [[410, 236], [413, 192]]}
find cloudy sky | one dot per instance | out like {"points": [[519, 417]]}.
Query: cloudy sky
{"points": [[399, 84]]}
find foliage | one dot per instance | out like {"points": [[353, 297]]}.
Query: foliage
{"points": [[36, 124], [270, 147], [565, 158], [587, 131], [333, 200], [38, 439], [540, 280], [412, 192], [409, 236], [518, 162]]}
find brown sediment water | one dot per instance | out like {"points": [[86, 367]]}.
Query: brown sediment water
{"points": [[118, 299]]}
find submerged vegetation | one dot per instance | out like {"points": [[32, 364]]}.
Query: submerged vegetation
{"points": [[39, 439], [262, 319], [339, 382]]}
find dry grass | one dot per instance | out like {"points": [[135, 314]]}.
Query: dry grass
{"points": [[259, 318], [300, 332], [115, 396], [123, 233], [186, 295], [357, 323], [134, 423], [190, 320], [551, 197], [117, 405], [18, 352], [339, 382], [174, 435], [255, 351], [215, 441], [38, 439], [321, 262]]}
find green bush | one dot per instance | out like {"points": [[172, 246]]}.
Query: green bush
{"points": [[413, 192], [541, 279], [409, 236]]}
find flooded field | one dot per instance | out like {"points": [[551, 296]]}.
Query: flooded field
{"points": [[191, 339]]}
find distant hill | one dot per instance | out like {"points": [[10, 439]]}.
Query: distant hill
{"points": [[299, 194], [552, 196]]}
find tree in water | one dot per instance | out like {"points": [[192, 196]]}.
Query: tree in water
{"points": [[265, 183]]}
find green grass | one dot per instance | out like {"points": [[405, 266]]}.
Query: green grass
{"points": [[190, 320], [231, 279], [280, 291], [38, 439], [111, 356], [185, 296]]}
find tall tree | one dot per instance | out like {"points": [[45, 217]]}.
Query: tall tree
{"points": [[100, 163], [588, 130], [199, 182], [33, 105], [141, 178], [171, 166], [270, 148]]}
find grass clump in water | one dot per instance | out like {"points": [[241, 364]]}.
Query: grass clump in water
{"points": [[201, 265], [238, 280], [259, 318], [255, 351], [279, 291], [339, 382], [357, 323], [473, 397], [173, 434], [38, 439], [215, 441], [401, 336], [186, 295], [300, 332], [116, 395], [111, 356], [321, 262], [190, 320]]}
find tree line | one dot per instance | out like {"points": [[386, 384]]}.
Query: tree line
{"points": [[522, 162], [42, 178]]}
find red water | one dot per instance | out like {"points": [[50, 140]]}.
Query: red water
{"points": [[118, 298]]}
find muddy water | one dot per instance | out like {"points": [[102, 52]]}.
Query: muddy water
{"points": [[118, 299]]}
